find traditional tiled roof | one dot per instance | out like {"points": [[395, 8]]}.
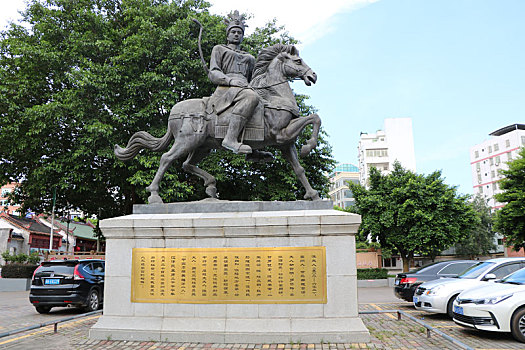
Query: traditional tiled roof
{"points": [[28, 224], [78, 229]]}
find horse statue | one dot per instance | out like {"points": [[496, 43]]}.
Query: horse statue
{"points": [[197, 131]]}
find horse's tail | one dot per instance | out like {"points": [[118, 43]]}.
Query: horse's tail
{"points": [[141, 140]]}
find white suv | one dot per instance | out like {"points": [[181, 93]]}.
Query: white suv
{"points": [[438, 296]]}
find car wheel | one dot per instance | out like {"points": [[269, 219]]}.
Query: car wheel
{"points": [[450, 306], [517, 325], [43, 309], [93, 301]]}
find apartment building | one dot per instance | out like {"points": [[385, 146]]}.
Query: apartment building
{"points": [[339, 191], [488, 158], [383, 148]]}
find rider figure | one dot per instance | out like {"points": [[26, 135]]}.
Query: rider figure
{"points": [[231, 69]]}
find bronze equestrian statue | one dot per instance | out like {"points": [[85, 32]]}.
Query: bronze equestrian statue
{"points": [[252, 107]]}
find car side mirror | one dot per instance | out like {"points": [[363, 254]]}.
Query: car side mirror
{"points": [[489, 276]]}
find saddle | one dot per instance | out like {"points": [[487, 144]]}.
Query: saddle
{"points": [[195, 110]]}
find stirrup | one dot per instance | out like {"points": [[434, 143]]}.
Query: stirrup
{"points": [[237, 148]]}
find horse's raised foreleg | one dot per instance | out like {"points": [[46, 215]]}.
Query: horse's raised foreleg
{"points": [[290, 154], [296, 126], [176, 151], [190, 166]]}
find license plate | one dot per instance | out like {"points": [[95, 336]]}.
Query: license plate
{"points": [[52, 281], [458, 310], [396, 282], [415, 299]]}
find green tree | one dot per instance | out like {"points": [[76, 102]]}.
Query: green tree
{"points": [[78, 76], [510, 220], [479, 240], [411, 213]]}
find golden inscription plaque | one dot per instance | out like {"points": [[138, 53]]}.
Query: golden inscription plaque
{"points": [[229, 275]]}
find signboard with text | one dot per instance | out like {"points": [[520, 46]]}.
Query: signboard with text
{"points": [[229, 275]]}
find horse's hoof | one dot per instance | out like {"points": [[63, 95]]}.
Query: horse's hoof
{"points": [[211, 191], [155, 199], [314, 196]]}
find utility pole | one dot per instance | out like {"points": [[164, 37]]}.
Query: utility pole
{"points": [[52, 219], [67, 231]]}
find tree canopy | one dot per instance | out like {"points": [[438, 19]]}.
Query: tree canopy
{"points": [[77, 77], [411, 213], [510, 220], [479, 240]]}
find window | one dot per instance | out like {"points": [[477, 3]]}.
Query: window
{"points": [[455, 269], [478, 167], [523, 140], [509, 155], [507, 143], [492, 174], [476, 154], [505, 270], [496, 147], [480, 190], [479, 178], [495, 186], [491, 161], [497, 160], [382, 152], [490, 149]]}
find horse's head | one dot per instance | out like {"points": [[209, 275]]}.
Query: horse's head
{"points": [[295, 67], [284, 59]]}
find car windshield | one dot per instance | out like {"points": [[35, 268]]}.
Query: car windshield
{"points": [[476, 270], [517, 277]]}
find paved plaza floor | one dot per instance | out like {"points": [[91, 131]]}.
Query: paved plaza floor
{"points": [[386, 331]]}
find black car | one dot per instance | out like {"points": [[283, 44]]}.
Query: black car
{"points": [[68, 282], [406, 283]]}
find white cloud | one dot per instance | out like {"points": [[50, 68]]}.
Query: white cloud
{"points": [[306, 20]]}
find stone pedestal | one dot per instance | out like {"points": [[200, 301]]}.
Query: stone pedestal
{"points": [[222, 224]]}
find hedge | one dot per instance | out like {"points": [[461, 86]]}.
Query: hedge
{"points": [[372, 274], [18, 270]]}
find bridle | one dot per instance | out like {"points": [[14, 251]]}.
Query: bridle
{"points": [[284, 81]]}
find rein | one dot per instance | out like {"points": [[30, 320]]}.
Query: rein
{"points": [[282, 82]]}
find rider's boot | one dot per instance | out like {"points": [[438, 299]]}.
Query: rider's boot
{"points": [[230, 141]]}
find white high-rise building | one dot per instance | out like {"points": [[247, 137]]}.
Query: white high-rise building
{"points": [[491, 156], [382, 149]]}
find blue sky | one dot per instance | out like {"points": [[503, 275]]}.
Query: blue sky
{"points": [[456, 67]]}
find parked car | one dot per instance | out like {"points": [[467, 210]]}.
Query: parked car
{"points": [[438, 296], [497, 307], [68, 282], [406, 283]]}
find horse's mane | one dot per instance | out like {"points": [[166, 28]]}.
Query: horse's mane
{"points": [[268, 54]]}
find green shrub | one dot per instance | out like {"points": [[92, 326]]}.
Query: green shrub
{"points": [[33, 258], [8, 258], [15, 270], [372, 274], [21, 258]]}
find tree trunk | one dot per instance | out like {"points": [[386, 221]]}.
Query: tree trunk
{"points": [[406, 264]]}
